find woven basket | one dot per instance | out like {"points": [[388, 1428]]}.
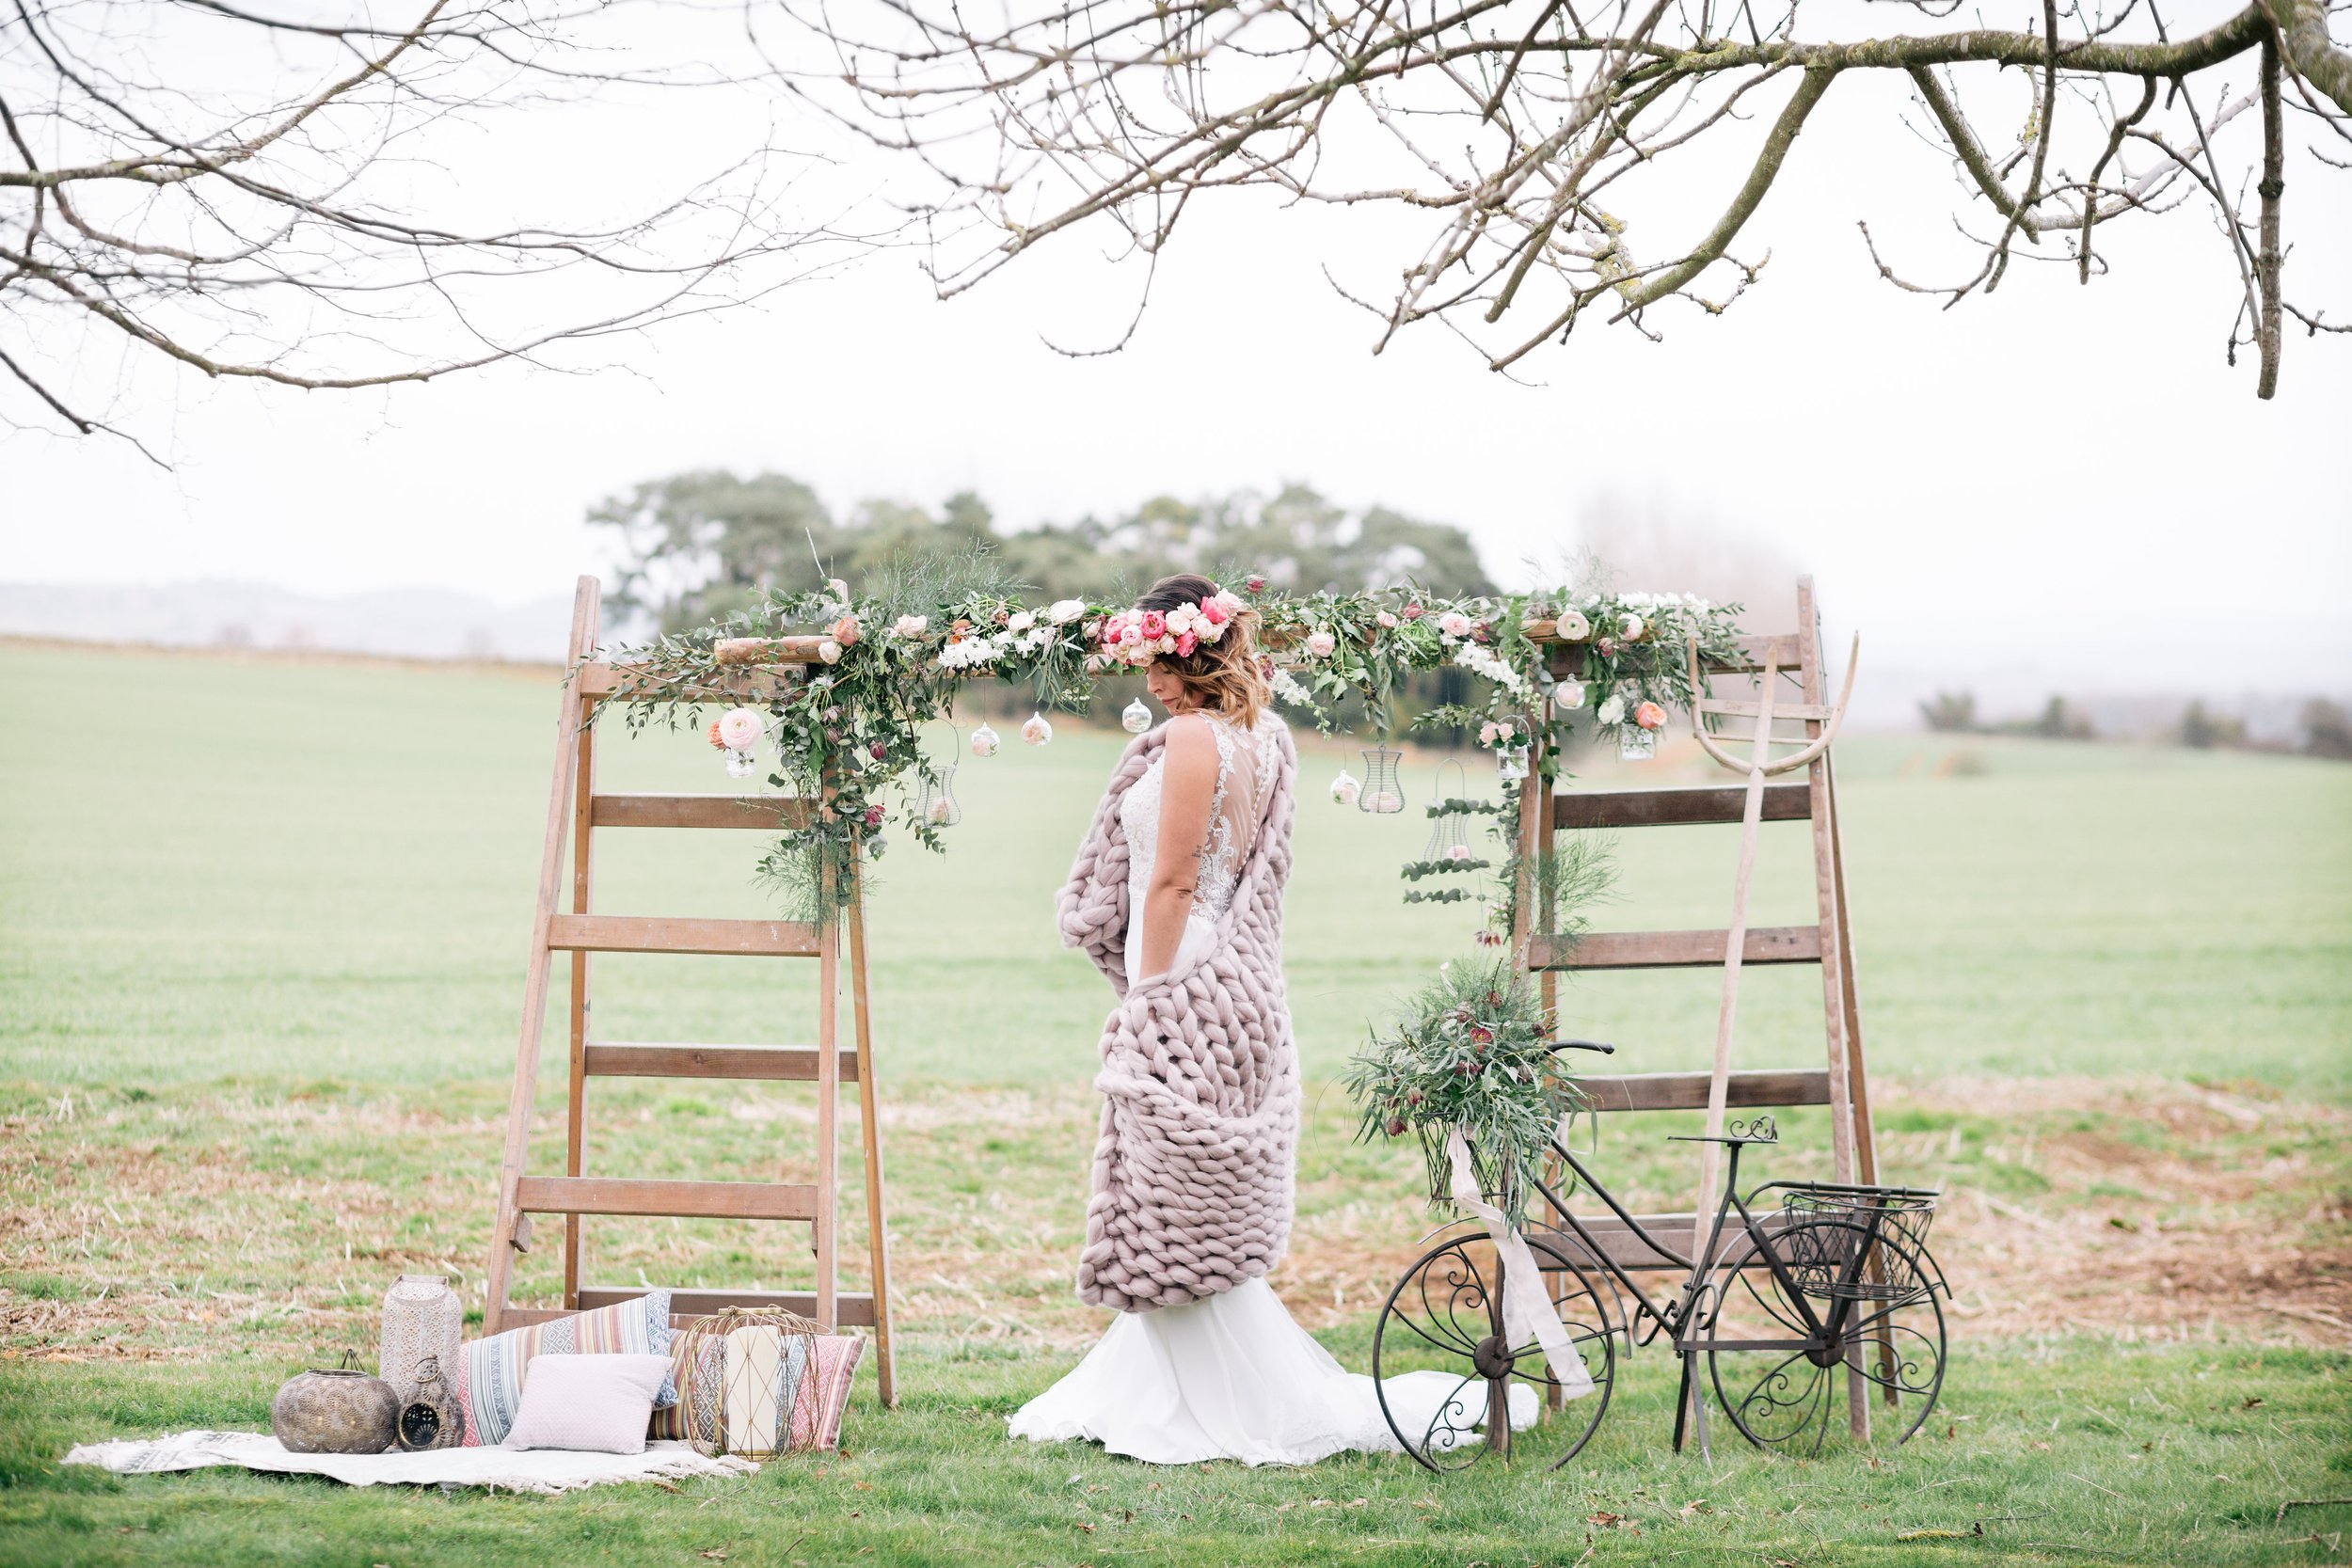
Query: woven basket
{"points": [[742, 1379]]}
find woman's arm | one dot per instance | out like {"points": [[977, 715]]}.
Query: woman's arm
{"points": [[1187, 780]]}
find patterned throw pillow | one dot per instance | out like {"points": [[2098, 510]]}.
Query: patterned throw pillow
{"points": [[491, 1381], [588, 1403]]}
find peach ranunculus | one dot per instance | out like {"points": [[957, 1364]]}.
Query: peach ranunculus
{"points": [[1651, 716], [717, 744]]}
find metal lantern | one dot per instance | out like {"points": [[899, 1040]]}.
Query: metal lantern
{"points": [[422, 1326], [935, 796], [1383, 792], [1449, 835], [745, 1371], [434, 1417], [335, 1410]]}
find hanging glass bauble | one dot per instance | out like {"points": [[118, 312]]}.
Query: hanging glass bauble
{"points": [[1345, 789], [742, 764], [1636, 744], [1449, 835], [1511, 763], [1135, 718], [1036, 731], [1384, 793], [985, 741], [875, 845]]}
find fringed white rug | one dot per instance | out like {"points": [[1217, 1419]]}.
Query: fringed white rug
{"points": [[547, 1470]]}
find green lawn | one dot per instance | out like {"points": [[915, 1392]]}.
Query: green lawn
{"points": [[260, 961]]}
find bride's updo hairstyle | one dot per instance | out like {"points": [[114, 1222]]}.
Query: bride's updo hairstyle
{"points": [[1223, 675]]}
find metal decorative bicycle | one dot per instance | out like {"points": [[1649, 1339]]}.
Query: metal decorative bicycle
{"points": [[1829, 1277]]}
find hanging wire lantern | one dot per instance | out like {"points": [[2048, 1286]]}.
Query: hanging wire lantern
{"points": [[1449, 836], [936, 796], [1383, 792], [743, 1384]]}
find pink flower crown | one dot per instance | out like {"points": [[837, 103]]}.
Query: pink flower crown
{"points": [[1139, 636]]}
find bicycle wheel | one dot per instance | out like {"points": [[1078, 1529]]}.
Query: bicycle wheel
{"points": [[1445, 1373], [1781, 1386]]}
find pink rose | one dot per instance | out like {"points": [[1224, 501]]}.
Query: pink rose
{"points": [[1386, 619], [1154, 626], [1487, 733], [1256, 583], [1185, 645], [873, 816], [1651, 716], [1321, 644], [845, 631], [1213, 612], [1413, 612]]}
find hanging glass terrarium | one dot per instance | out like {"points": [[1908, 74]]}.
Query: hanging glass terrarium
{"points": [[936, 796], [1636, 744], [1449, 835], [1383, 791], [1135, 718], [1511, 762]]}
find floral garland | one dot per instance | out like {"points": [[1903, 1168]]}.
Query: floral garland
{"points": [[892, 660]]}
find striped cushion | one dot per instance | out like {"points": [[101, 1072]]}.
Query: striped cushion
{"points": [[491, 1371]]}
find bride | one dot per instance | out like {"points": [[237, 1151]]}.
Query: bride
{"points": [[1177, 898]]}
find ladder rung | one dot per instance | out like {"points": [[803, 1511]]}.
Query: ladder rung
{"points": [[1686, 1091], [714, 1200], [1663, 808], [768, 812], [1630, 1251], [1749, 710], [851, 1308], [631, 933], [1784, 649], [795, 1063], [1766, 944]]}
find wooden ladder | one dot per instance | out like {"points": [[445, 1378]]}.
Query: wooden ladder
{"points": [[575, 811], [1842, 1083]]}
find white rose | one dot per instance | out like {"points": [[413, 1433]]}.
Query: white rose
{"points": [[1062, 612], [1020, 620], [829, 650], [1612, 710], [911, 627], [1232, 603], [1181, 620], [1320, 644], [1630, 629]]}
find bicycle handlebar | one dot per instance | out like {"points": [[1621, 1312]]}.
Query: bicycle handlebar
{"points": [[1584, 1045]]}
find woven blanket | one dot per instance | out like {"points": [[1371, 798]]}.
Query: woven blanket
{"points": [[500, 1470], [1194, 1167]]}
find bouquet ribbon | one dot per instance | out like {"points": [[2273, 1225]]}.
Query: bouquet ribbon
{"points": [[1528, 1313]]}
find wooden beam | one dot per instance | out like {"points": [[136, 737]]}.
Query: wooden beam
{"points": [[714, 1200], [767, 650], [631, 933], [1669, 808], [596, 680], [773, 1064], [1686, 1091], [770, 813], [855, 1309], [1765, 945]]}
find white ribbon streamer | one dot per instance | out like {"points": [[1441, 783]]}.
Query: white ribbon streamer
{"points": [[1528, 1313]]}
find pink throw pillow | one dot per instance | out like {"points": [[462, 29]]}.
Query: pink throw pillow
{"points": [[591, 1403]]}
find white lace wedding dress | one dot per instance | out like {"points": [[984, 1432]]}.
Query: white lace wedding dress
{"points": [[1230, 1377]]}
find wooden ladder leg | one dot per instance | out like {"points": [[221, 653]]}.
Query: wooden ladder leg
{"points": [[1841, 1138], [828, 1103], [574, 1097], [568, 715], [869, 1131]]}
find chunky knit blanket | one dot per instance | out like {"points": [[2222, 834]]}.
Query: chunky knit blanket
{"points": [[1194, 1169]]}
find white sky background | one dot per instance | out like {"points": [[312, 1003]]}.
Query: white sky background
{"points": [[2067, 484]]}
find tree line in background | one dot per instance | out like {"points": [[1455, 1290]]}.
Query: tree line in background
{"points": [[693, 547], [2325, 725]]}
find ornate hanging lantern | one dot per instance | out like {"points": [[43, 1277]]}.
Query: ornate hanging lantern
{"points": [[1384, 792]]}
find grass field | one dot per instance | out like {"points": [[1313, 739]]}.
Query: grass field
{"points": [[260, 956]]}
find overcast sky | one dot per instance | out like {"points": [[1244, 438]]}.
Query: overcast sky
{"points": [[2061, 482]]}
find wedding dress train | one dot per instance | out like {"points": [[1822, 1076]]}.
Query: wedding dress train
{"points": [[1232, 1376]]}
